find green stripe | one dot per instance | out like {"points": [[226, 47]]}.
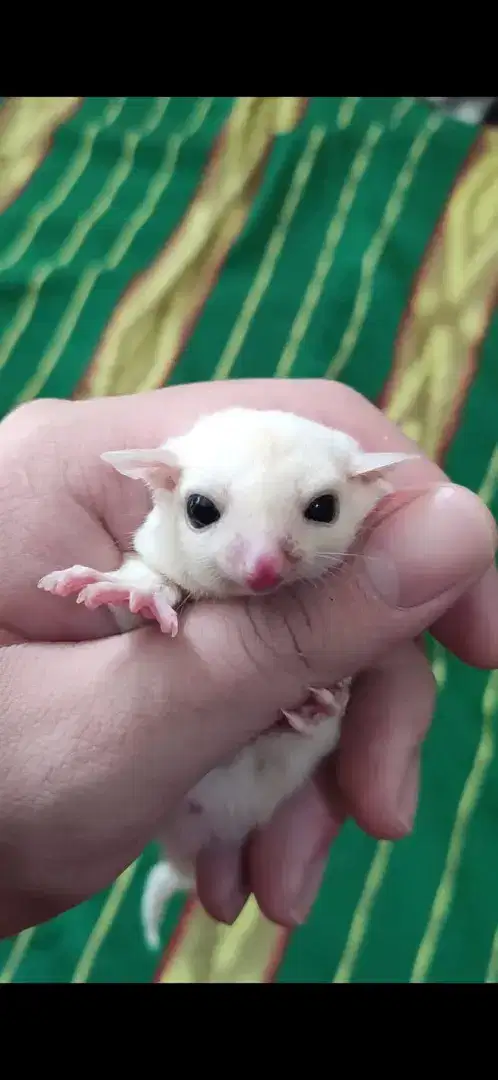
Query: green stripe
{"points": [[65, 142], [268, 332], [53, 947], [467, 458], [60, 289], [339, 295], [372, 357]]}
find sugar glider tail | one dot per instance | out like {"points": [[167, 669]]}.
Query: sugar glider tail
{"points": [[162, 883]]}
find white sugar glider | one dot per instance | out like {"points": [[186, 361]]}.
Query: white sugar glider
{"points": [[246, 501]]}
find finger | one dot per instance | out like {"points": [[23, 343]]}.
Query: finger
{"points": [[221, 882], [287, 859], [373, 777], [378, 764], [469, 629]]}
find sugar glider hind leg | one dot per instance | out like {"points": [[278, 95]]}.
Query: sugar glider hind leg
{"points": [[131, 591]]}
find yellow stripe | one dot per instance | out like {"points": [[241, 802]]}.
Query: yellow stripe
{"points": [[288, 113], [66, 253], [62, 190], [144, 337], [271, 254], [440, 666], [327, 253], [212, 953], [488, 486], [376, 248], [401, 109], [450, 309], [103, 925], [466, 808], [98, 208], [363, 911], [26, 126], [346, 112], [156, 188], [492, 972], [16, 955]]}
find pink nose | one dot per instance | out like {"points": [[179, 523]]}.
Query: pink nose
{"points": [[266, 573]]}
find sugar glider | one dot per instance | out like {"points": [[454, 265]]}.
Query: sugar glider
{"points": [[245, 502]]}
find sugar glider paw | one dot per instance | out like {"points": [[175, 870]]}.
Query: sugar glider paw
{"points": [[150, 604], [155, 605], [67, 582], [320, 706], [95, 589]]}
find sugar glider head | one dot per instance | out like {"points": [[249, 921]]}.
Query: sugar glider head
{"points": [[260, 498]]}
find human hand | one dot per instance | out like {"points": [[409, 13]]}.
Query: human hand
{"points": [[101, 737]]}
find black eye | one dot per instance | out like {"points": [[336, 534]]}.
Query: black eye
{"points": [[201, 511], [324, 509]]}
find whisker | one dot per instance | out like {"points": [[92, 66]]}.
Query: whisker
{"points": [[345, 555]]}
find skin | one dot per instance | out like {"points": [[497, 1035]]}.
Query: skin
{"points": [[100, 737]]}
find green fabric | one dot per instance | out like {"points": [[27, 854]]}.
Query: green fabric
{"points": [[373, 233]]}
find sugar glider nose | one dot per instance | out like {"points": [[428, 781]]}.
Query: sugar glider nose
{"points": [[266, 573]]}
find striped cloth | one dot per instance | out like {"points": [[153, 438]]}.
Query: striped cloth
{"points": [[146, 241]]}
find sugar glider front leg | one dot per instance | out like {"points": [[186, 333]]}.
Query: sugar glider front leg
{"points": [[134, 584]]}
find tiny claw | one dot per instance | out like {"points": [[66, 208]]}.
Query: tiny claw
{"points": [[324, 698], [155, 606], [299, 723], [166, 615]]}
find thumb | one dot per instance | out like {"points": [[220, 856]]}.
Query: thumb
{"points": [[424, 550]]}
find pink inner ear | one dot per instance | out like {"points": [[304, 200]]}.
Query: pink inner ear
{"points": [[371, 466], [161, 477], [157, 468]]}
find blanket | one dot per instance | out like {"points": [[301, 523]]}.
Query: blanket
{"points": [[152, 241]]}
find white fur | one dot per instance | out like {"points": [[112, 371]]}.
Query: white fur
{"points": [[261, 468]]}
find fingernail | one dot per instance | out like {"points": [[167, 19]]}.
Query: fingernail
{"points": [[441, 539], [306, 888], [408, 793]]}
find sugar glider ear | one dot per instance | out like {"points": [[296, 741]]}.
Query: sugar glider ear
{"points": [[374, 463], [158, 468]]}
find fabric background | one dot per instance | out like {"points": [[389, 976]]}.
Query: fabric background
{"points": [[146, 241]]}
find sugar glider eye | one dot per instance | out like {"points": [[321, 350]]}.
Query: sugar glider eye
{"points": [[201, 511], [324, 509]]}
